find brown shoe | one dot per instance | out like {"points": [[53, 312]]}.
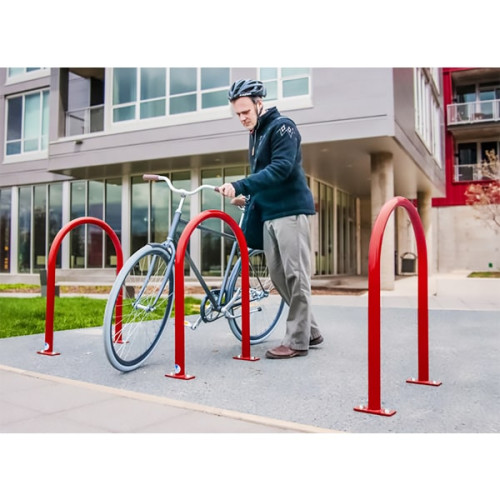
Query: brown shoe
{"points": [[284, 352], [316, 341]]}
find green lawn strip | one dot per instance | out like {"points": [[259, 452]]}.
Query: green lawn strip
{"points": [[26, 316], [484, 274]]}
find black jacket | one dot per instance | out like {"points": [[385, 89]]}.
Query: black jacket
{"points": [[277, 182]]}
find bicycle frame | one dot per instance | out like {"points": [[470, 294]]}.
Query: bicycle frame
{"points": [[216, 300], [148, 280]]}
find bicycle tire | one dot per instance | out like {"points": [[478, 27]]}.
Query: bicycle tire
{"points": [[266, 306], [144, 313]]}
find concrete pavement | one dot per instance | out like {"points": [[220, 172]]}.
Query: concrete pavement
{"points": [[76, 391], [78, 395]]}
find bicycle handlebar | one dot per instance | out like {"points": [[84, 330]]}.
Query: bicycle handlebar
{"points": [[182, 192]]}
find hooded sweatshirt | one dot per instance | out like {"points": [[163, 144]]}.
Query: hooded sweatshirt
{"points": [[277, 183]]}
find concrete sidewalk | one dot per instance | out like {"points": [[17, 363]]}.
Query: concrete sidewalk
{"points": [[79, 391], [36, 402]]}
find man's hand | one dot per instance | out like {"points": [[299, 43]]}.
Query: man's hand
{"points": [[227, 189], [239, 201]]}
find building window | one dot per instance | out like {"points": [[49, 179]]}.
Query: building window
{"points": [[20, 71], [27, 123], [473, 161], [428, 112], [5, 200], [113, 217], [214, 249], [152, 207], [90, 247], [475, 103], [40, 219], [283, 83], [144, 93], [15, 75], [346, 233], [24, 230]]}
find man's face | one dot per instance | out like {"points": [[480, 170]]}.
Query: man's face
{"points": [[246, 111]]}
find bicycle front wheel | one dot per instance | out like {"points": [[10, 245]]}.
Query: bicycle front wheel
{"points": [[266, 305], [146, 294]]}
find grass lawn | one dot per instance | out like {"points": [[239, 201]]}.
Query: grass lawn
{"points": [[484, 274], [26, 316]]}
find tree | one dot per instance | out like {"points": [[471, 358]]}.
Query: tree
{"points": [[484, 197]]}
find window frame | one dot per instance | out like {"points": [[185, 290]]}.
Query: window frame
{"points": [[428, 112], [40, 153], [199, 114], [25, 75], [290, 102]]}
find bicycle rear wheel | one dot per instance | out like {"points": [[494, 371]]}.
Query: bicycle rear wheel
{"points": [[147, 297], [266, 305]]}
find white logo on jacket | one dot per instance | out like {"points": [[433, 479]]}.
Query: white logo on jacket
{"points": [[288, 130]]}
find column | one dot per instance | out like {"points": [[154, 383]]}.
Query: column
{"points": [[424, 200], [382, 190]]}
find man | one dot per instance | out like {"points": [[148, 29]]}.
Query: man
{"points": [[277, 185]]}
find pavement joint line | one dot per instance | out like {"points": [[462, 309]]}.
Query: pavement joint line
{"points": [[246, 417]]}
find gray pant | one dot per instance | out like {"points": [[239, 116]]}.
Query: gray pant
{"points": [[287, 246]]}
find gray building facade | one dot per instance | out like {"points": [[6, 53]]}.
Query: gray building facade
{"points": [[76, 141]]}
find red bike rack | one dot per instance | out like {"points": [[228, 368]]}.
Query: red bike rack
{"points": [[51, 275], [180, 369], [374, 372]]}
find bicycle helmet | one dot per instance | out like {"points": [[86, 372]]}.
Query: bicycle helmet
{"points": [[246, 88]]}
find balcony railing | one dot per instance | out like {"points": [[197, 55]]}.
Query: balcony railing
{"points": [[474, 112], [476, 172], [85, 120]]}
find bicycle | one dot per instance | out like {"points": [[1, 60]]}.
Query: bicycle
{"points": [[145, 288]]}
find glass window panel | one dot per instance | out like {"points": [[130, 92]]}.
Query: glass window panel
{"points": [[153, 83], [213, 99], [139, 213], [272, 90], [123, 114], [214, 77], [24, 238], [95, 233], [29, 70], [77, 235], [182, 180], [55, 216], [32, 120], [14, 118], [288, 72], [30, 145], [295, 87], [183, 104], [160, 215], [152, 109], [486, 95], [467, 153], [182, 80], [45, 120], [39, 226], [113, 217], [14, 148], [5, 211], [124, 85], [466, 93], [230, 175], [268, 73], [15, 71], [211, 243]]}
